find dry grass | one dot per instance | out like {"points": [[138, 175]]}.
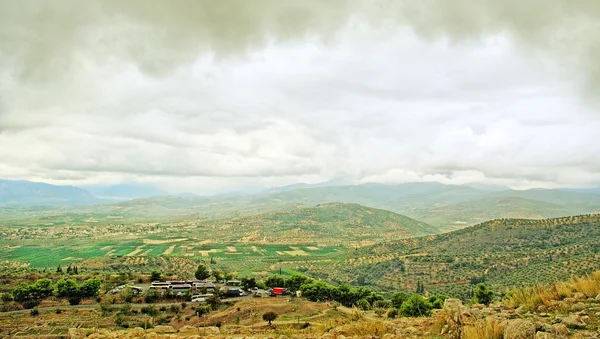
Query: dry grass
{"points": [[589, 285], [488, 328], [365, 327], [532, 297]]}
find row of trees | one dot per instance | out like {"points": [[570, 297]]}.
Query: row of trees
{"points": [[202, 273], [31, 294]]}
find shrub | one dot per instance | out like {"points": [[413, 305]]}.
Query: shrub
{"points": [[416, 306], [120, 321], [125, 309], [30, 303], [58, 311], [149, 310], [483, 294], [363, 304], [74, 300], [34, 312], [126, 294], [202, 310], [150, 296], [174, 309], [184, 305], [392, 313], [6, 297]]}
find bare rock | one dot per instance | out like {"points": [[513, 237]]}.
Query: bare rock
{"points": [[579, 296], [188, 330], [457, 313], [519, 329], [580, 306], [546, 335], [560, 329], [573, 321], [164, 329]]}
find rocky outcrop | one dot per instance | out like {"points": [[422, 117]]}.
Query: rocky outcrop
{"points": [[519, 329]]}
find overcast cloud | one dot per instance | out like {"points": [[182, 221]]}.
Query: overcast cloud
{"points": [[212, 96]]}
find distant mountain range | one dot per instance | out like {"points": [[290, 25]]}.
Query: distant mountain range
{"points": [[447, 207], [27, 193], [122, 192]]}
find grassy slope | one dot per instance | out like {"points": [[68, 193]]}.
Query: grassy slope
{"points": [[326, 223]]}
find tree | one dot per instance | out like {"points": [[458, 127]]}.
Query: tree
{"points": [[66, 288], [155, 276], [269, 317], [213, 301], [294, 282], [89, 288], [126, 294], [201, 272], [42, 288], [416, 306], [217, 275], [483, 294], [398, 298], [248, 283], [275, 281], [227, 276], [151, 296], [22, 292]]}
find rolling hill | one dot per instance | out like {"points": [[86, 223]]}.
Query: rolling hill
{"points": [[327, 224], [503, 252], [446, 207]]}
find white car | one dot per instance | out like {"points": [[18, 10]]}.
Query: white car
{"points": [[199, 300]]}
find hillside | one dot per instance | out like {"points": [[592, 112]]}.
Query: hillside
{"points": [[321, 232], [445, 207], [27, 193], [332, 223], [503, 252]]}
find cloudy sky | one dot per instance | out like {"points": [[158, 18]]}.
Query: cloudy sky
{"points": [[213, 96]]}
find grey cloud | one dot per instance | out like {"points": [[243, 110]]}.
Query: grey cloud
{"points": [[45, 40]]}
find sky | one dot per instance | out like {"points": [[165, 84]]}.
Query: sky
{"points": [[215, 96]]}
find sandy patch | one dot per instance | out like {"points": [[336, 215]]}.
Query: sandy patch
{"points": [[70, 258], [231, 249], [105, 248], [296, 252], [136, 251], [165, 241], [312, 248], [207, 253], [109, 253], [169, 250]]}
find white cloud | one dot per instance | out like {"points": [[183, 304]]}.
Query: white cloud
{"points": [[375, 102]]}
